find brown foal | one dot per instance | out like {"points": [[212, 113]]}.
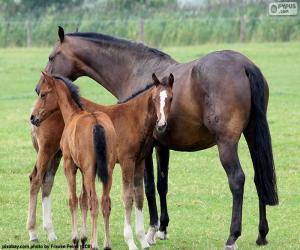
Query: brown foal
{"points": [[134, 121], [89, 143]]}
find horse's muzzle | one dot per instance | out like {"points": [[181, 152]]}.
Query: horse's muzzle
{"points": [[161, 128], [34, 121]]}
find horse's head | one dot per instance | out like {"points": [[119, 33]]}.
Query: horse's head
{"points": [[47, 102], [62, 60], [162, 98]]}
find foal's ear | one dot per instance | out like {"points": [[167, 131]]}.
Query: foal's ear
{"points": [[171, 80], [47, 77], [61, 33], [155, 80]]}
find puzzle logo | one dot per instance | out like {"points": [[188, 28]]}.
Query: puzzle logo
{"points": [[283, 9]]}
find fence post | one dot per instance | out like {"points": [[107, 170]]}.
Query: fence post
{"points": [[141, 31], [29, 33], [242, 28]]}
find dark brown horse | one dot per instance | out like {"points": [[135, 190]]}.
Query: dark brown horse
{"points": [[133, 122], [227, 96], [88, 142]]}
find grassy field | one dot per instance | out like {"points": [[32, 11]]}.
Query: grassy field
{"points": [[199, 197]]}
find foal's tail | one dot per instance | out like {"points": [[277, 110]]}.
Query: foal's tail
{"points": [[259, 140], [100, 149]]}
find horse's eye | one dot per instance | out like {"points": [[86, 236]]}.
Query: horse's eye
{"points": [[43, 95]]}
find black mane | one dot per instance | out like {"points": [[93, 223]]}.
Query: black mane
{"points": [[74, 90], [148, 86], [118, 42]]}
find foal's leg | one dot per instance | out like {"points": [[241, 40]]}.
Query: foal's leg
{"points": [[89, 183], [128, 194], [150, 194], [47, 185], [83, 201], [162, 155], [36, 178], [106, 208], [139, 200], [70, 173], [236, 179]]}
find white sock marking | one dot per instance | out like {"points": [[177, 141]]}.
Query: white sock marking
{"points": [[140, 232], [47, 220]]}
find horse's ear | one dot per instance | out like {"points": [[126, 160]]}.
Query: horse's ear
{"points": [[171, 80], [47, 77], [61, 33], [155, 80]]}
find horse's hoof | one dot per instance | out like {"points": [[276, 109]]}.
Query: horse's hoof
{"points": [[150, 236], [107, 248], [36, 240], [52, 236], [33, 236], [162, 235], [75, 242], [261, 241], [145, 245], [231, 247]]}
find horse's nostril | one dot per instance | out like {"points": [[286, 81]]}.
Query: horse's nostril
{"points": [[31, 117]]}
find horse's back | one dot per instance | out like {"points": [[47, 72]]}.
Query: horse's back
{"points": [[212, 99]]}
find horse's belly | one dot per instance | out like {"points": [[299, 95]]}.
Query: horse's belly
{"points": [[186, 136]]}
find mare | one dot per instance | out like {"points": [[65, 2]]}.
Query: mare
{"points": [[216, 99], [88, 143], [134, 121]]}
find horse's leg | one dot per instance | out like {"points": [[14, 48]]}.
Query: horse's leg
{"points": [[128, 194], [83, 201], [236, 178], [106, 208], [150, 194], [162, 155], [263, 226], [70, 173], [139, 200], [89, 183], [36, 178], [47, 185]]}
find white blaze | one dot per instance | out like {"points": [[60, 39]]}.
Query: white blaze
{"points": [[163, 96]]}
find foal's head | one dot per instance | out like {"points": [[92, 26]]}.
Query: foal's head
{"points": [[47, 102], [162, 98]]}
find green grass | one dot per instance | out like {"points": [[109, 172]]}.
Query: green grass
{"points": [[199, 199]]}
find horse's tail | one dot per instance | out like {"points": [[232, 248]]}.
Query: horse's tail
{"points": [[101, 154], [259, 140]]}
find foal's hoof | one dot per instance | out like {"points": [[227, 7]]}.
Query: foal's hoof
{"points": [[83, 240], [52, 236], [150, 236], [107, 248], [261, 241], [75, 242], [231, 247], [161, 235], [33, 236]]}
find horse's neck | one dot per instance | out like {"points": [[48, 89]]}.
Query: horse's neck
{"points": [[122, 72], [139, 111], [66, 104]]}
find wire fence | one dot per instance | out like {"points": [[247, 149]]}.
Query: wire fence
{"points": [[156, 32]]}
